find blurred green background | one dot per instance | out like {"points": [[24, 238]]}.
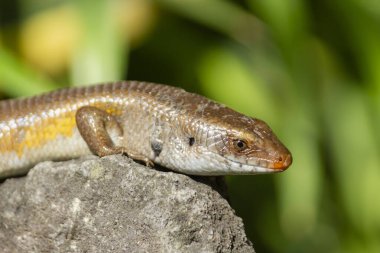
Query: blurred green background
{"points": [[310, 69]]}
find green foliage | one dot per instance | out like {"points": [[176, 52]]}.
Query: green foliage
{"points": [[18, 80]]}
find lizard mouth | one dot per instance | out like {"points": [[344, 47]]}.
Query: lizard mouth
{"points": [[261, 166]]}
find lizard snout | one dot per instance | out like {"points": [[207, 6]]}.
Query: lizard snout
{"points": [[283, 162]]}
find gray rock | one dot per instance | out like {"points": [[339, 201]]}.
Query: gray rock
{"points": [[113, 204]]}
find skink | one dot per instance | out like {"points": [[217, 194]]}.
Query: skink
{"points": [[149, 122]]}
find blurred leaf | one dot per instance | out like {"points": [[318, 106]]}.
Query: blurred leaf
{"points": [[101, 55], [17, 79], [356, 157], [48, 38], [221, 15], [227, 78], [287, 19]]}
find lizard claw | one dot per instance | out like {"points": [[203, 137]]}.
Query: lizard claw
{"points": [[149, 163], [139, 157]]}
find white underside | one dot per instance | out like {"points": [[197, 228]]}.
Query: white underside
{"points": [[204, 162]]}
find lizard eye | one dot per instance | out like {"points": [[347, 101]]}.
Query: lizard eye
{"points": [[240, 145]]}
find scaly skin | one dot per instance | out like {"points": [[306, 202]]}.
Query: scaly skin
{"points": [[150, 122]]}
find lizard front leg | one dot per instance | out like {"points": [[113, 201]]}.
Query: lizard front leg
{"points": [[94, 125]]}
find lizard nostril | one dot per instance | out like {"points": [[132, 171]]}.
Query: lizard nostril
{"points": [[283, 162]]}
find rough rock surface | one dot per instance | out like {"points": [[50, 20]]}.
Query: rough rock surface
{"points": [[113, 204]]}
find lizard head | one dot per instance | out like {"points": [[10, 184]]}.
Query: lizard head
{"points": [[232, 143], [249, 146]]}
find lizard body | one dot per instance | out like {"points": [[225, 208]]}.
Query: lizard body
{"points": [[154, 123]]}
